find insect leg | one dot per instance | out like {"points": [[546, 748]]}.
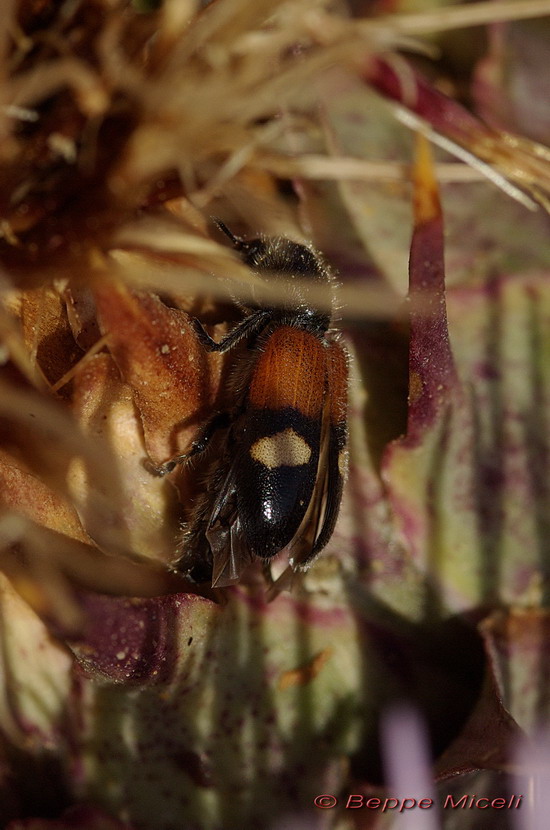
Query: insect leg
{"points": [[248, 326], [219, 421]]}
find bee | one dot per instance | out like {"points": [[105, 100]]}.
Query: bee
{"points": [[276, 483]]}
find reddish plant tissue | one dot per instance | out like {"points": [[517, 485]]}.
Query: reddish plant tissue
{"points": [[131, 697]]}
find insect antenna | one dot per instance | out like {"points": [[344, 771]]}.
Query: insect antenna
{"points": [[237, 241]]}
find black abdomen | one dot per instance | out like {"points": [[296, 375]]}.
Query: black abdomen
{"points": [[277, 467]]}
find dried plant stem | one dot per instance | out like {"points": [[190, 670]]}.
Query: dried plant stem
{"points": [[457, 17], [337, 168], [98, 345]]}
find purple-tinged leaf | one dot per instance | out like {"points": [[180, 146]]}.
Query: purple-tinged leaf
{"points": [[412, 466], [469, 482], [432, 375], [485, 233], [226, 718], [486, 740], [510, 85], [515, 158], [518, 647], [421, 97], [139, 642]]}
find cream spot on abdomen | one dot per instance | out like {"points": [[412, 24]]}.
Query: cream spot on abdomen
{"points": [[286, 448]]}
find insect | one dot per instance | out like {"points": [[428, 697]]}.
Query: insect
{"points": [[276, 483]]}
